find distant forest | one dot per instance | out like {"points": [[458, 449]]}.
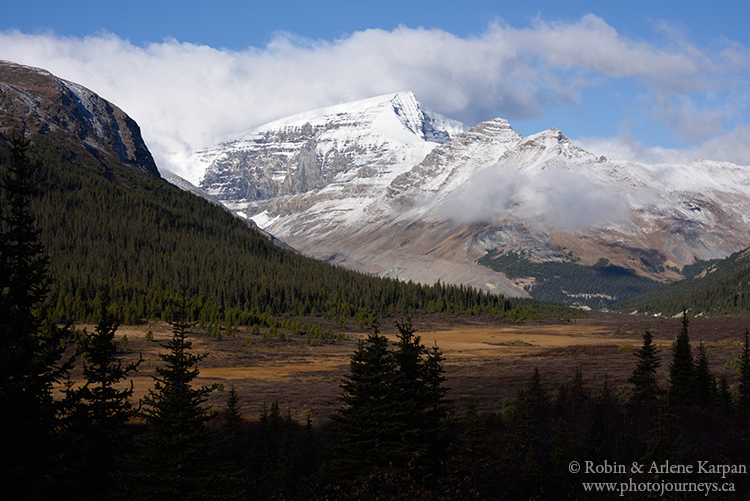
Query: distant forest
{"points": [[570, 283], [131, 245], [718, 287]]}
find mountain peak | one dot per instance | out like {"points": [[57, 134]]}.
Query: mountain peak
{"points": [[403, 105], [368, 141], [550, 134], [424, 123]]}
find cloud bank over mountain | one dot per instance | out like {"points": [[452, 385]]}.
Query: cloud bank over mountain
{"points": [[185, 96], [560, 200]]}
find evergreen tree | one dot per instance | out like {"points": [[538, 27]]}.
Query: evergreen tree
{"points": [[662, 444], [527, 451], [31, 348], [473, 462], [682, 390], [705, 381], [268, 449], [743, 387], [289, 472], [365, 437], [97, 413], [646, 387], [563, 452], [723, 396], [534, 399], [578, 392], [393, 408], [24, 281], [175, 457], [420, 396], [600, 440], [231, 415], [309, 457]]}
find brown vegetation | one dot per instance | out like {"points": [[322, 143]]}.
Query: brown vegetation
{"points": [[485, 361]]}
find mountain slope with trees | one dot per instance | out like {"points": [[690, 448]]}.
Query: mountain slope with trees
{"points": [[130, 246], [120, 238], [712, 288], [571, 283]]}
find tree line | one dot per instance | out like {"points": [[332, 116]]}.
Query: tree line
{"points": [[725, 296]]}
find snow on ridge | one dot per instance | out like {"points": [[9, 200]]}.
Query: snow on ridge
{"points": [[404, 104], [401, 124], [385, 134], [320, 116]]}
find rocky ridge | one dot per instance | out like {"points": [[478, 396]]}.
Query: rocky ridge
{"points": [[34, 101]]}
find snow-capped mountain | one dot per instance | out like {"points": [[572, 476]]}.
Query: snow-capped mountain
{"points": [[355, 144], [388, 187]]}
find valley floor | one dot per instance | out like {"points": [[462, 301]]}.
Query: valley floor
{"points": [[486, 361]]}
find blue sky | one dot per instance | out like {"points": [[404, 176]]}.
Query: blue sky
{"points": [[241, 24], [650, 81]]}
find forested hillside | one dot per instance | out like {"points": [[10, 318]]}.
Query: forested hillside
{"points": [[131, 243], [571, 283], [717, 288]]}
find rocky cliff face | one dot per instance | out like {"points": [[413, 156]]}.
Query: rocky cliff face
{"points": [[349, 146], [387, 187], [37, 102]]}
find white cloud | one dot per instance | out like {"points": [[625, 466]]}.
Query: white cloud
{"points": [[732, 146], [623, 147], [593, 45], [486, 197], [565, 200], [184, 96]]}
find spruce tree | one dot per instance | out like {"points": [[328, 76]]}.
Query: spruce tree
{"points": [[563, 451], [420, 397], [579, 394], [743, 387], [267, 449], [534, 399], [705, 382], [31, 348], [662, 444], [527, 450], [98, 412], [393, 408], [723, 396], [175, 458], [473, 462], [308, 453], [366, 435], [646, 387], [682, 390], [231, 415], [289, 471]]}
